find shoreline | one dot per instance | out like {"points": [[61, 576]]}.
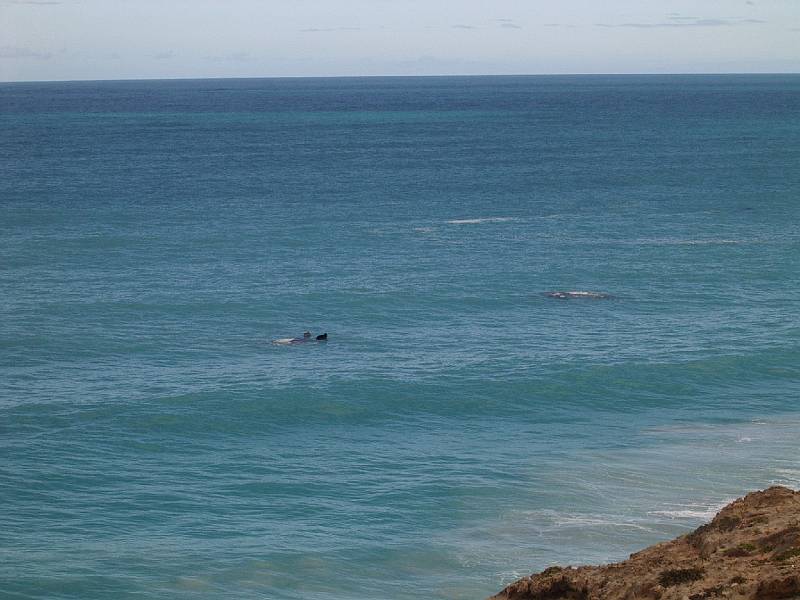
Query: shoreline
{"points": [[749, 551]]}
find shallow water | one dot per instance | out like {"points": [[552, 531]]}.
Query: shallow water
{"points": [[460, 428]]}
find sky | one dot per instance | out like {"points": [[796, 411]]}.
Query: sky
{"points": [[42, 40]]}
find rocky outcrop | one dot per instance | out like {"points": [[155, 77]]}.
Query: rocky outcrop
{"points": [[751, 550]]}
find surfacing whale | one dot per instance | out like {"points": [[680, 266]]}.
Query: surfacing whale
{"points": [[558, 295], [323, 337]]}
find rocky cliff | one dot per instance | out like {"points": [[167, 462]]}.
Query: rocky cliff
{"points": [[751, 550]]}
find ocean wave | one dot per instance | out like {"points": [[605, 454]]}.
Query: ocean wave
{"points": [[481, 220], [685, 242], [704, 513], [789, 477], [583, 521], [549, 520]]}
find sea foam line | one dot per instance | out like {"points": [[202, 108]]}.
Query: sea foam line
{"points": [[704, 513], [481, 220], [687, 242]]}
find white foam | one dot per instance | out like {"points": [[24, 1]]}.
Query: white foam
{"points": [[578, 294], [582, 521], [481, 220], [788, 477], [696, 511], [704, 514], [551, 520], [587, 294]]}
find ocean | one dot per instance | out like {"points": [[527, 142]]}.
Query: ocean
{"points": [[460, 428]]}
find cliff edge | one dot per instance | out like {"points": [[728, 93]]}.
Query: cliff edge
{"points": [[750, 550]]}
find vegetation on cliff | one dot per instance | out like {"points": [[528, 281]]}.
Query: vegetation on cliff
{"points": [[749, 551]]}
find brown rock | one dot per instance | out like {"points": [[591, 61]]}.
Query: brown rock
{"points": [[749, 551]]}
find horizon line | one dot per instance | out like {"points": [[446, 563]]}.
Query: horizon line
{"points": [[408, 76]]}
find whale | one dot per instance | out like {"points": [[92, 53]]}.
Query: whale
{"points": [[560, 295], [323, 337]]}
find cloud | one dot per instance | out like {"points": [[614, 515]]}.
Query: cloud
{"points": [[328, 29], [684, 22], [508, 24], [710, 23], [463, 27], [14, 52], [36, 2], [164, 55]]}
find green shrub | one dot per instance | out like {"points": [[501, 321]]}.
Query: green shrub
{"points": [[672, 577], [786, 555]]}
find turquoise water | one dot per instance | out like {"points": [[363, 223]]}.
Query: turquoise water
{"points": [[460, 428]]}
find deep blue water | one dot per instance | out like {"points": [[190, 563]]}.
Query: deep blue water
{"points": [[460, 428]]}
